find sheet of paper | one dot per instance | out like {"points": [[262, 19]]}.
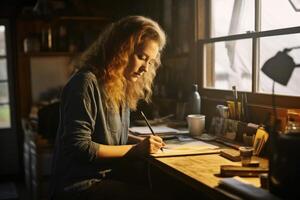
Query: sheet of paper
{"points": [[159, 130], [186, 146]]}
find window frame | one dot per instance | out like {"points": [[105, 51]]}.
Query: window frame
{"points": [[254, 97], [8, 56]]}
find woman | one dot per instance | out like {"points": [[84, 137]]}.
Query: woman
{"points": [[114, 74]]}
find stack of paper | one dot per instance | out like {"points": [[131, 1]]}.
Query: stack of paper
{"points": [[158, 130]]}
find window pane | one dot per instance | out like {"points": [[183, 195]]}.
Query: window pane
{"points": [[269, 46], [5, 116], [4, 98], [3, 69], [2, 40], [231, 17], [271, 19], [231, 62]]}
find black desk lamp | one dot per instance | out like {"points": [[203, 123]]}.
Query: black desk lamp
{"points": [[284, 160], [280, 67]]}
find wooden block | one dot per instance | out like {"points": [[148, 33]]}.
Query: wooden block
{"points": [[231, 170], [231, 154]]}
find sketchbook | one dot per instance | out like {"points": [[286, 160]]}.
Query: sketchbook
{"points": [[185, 145]]}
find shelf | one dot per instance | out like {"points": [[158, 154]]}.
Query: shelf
{"points": [[84, 18], [42, 54], [54, 18]]}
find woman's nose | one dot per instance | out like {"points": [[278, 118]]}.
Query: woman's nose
{"points": [[145, 66]]}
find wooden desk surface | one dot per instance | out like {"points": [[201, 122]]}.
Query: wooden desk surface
{"points": [[200, 171]]}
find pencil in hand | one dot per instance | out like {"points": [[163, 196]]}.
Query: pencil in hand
{"points": [[148, 124]]}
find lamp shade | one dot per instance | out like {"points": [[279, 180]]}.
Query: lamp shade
{"points": [[279, 68]]}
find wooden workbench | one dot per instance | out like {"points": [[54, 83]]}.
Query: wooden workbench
{"points": [[198, 174]]}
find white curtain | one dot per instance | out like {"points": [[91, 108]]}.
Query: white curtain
{"points": [[237, 52]]}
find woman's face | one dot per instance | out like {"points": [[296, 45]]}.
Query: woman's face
{"points": [[139, 62]]}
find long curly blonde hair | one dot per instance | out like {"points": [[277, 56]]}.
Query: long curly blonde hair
{"points": [[108, 57]]}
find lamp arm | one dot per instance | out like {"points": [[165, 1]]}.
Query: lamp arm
{"points": [[289, 49], [298, 65]]}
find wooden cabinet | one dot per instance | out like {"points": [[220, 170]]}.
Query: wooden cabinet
{"points": [[46, 50], [58, 34]]}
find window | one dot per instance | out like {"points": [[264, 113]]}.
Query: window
{"points": [[229, 17], [5, 103], [232, 64], [243, 35]]}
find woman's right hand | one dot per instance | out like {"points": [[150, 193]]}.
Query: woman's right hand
{"points": [[149, 145]]}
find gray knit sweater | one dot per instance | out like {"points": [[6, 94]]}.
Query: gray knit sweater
{"points": [[84, 124]]}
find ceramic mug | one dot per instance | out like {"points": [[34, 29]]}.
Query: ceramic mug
{"points": [[196, 124]]}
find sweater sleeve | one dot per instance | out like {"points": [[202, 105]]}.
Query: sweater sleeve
{"points": [[79, 116]]}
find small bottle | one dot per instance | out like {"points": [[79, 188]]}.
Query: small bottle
{"points": [[46, 39], [195, 101], [62, 39]]}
